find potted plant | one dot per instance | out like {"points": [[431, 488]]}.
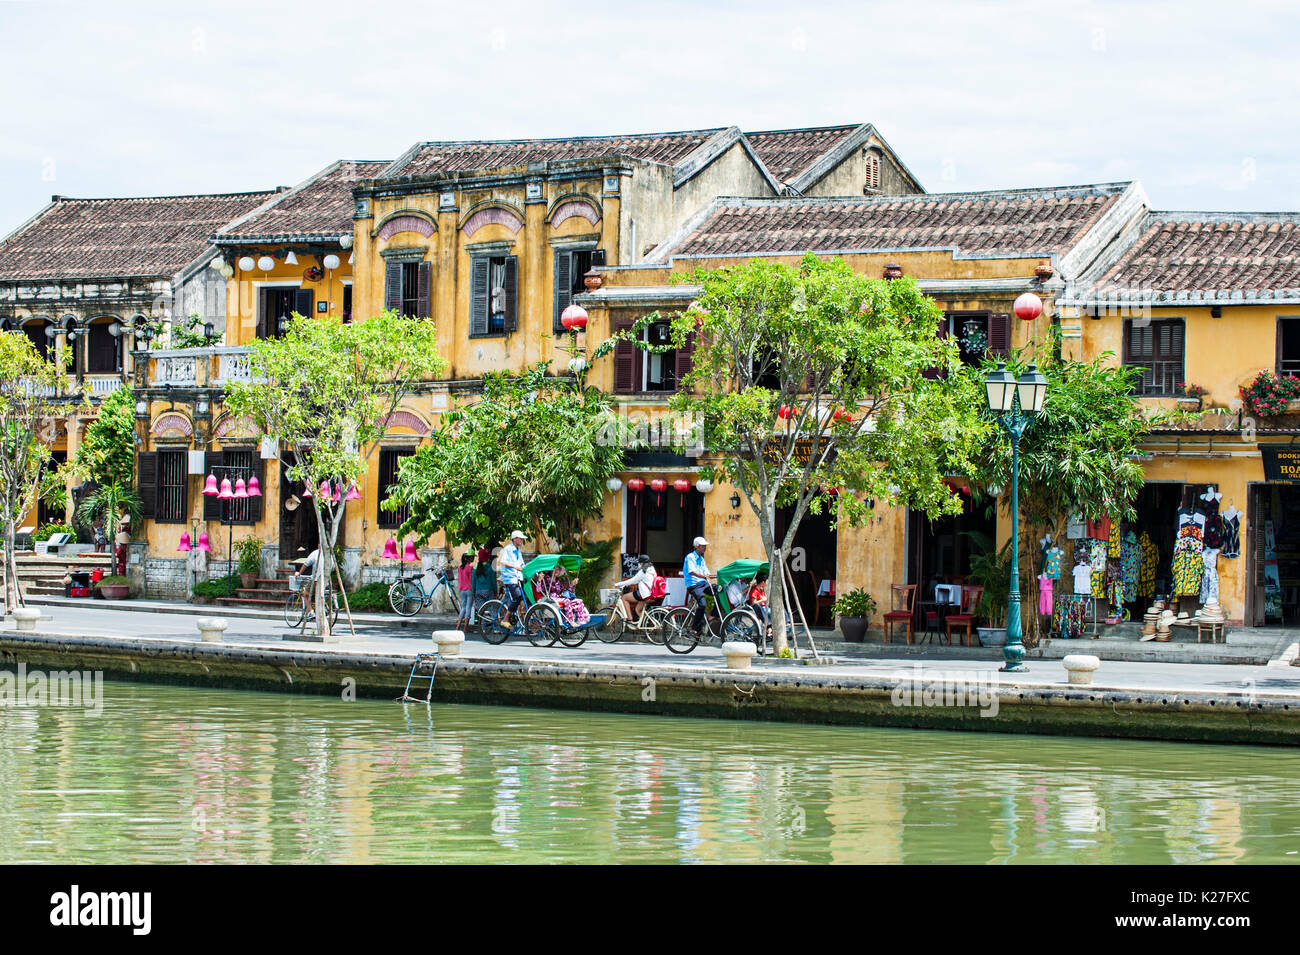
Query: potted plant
{"points": [[115, 588], [1193, 396], [250, 561], [992, 571], [855, 610]]}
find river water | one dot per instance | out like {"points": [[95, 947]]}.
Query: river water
{"points": [[170, 774]]}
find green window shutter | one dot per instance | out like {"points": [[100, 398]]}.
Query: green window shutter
{"points": [[393, 286], [512, 293], [563, 286], [304, 302], [478, 295], [424, 290]]}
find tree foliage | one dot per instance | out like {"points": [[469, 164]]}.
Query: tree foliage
{"points": [[106, 454], [812, 380], [324, 391], [533, 452]]}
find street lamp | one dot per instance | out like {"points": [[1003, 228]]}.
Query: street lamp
{"points": [[1012, 401]]}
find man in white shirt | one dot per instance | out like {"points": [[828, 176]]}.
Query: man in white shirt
{"points": [[511, 565]]}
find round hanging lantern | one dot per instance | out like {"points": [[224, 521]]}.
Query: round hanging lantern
{"points": [[330, 262], [574, 318], [704, 486], [784, 412], [658, 485], [246, 263], [1028, 307], [345, 241], [266, 263], [614, 485], [681, 486], [840, 415], [636, 486], [576, 365]]}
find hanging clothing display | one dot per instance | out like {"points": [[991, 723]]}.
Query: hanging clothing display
{"points": [[1099, 529], [1188, 566], [1083, 579], [1113, 541], [1052, 562], [1210, 575], [1068, 618], [1150, 561], [1045, 595], [1213, 533], [1099, 568], [1130, 563], [1231, 520]]}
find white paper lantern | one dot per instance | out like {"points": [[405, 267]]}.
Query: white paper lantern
{"points": [[266, 263], [704, 486], [226, 270], [246, 263], [576, 365], [331, 262], [345, 241], [614, 485]]}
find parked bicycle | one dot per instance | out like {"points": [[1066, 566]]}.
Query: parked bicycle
{"points": [[302, 590], [408, 596]]}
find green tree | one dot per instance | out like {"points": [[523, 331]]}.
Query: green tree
{"points": [[112, 502], [324, 391], [29, 413], [812, 380], [106, 454], [534, 452]]}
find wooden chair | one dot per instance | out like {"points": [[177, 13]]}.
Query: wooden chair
{"points": [[903, 600], [826, 603], [970, 598]]}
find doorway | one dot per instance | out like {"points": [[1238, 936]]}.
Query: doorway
{"points": [[298, 533], [813, 562], [1272, 552], [939, 551], [663, 525]]}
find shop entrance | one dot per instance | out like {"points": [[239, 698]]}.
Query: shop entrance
{"points": [[298, 533], [940, 551], [1272, 548], [812, 559], [663, 525]]}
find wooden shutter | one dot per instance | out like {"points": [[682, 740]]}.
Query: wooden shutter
{"points": [[625, 363], [146, 472], [684, 355], [212, 505], [512, 293], [262, 310], [479, 295], [255, 504], [940, 332], [304, 301], [393, 286], [636, 520], [424, 290], [999, 334], [563, 286]]}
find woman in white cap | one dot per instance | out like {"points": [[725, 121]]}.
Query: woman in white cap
{"points": [[511, 564]]}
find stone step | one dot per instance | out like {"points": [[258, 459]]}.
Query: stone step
{"points": [[250, 602]]}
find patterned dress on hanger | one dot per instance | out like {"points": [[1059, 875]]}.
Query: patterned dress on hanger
{"points": [[1130, 562], [1150, 562], [1188, 566]]}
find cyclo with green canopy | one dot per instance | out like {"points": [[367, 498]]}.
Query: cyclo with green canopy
{"points": [[732, 619], [544, 621]]}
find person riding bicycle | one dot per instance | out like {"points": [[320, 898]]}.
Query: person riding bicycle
{"points": [[696, 572], [512, 575], [636, 589], [309, 567]]}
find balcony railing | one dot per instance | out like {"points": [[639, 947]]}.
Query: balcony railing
{"points": [[100, 386], [198, 367]]}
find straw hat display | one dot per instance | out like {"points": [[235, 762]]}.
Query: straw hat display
{"points": [[1212, 612]]}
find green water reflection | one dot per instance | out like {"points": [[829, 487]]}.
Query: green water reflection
{"points": [[169, 774]]}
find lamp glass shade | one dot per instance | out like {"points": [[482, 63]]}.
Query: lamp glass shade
{"points": [[614, 485], [241, 489], [1032, 388], [291, 259], [225, 493], [324, 490], [210, 488], [115, 329], [204, 545], [390, 549], [254, 487], [408, 552], [246, 263], [1000, 387], [185, 543], [265, 263], [306, 489]]}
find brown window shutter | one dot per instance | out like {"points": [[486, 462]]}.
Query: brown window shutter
{"points": [[425, 290], [625, 363], [393, 286], [304, 302], [512, 293], [212, 505], [684, 356], [563, 286], [635, 521], [478, 295], [146, 470], [262, 309], [936, 372], [255, 504], [999, 334]]}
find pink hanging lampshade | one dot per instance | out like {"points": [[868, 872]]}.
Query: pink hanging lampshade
{"points": [[336, 496], [390, 549], [204, 545], [353, 494], [409, 553], [306, 489], [185, 543], [254, 488], [226, 493], [241, 489], [210, 489], [324, 490]]}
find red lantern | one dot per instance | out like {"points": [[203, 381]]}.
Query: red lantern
{"points": [[574, 318], [841, 415], [635, 485], [1028, 307], [658, 485], [681, 486], [784, 412]]}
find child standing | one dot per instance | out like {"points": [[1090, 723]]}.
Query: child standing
{"points": [[465, 584]]}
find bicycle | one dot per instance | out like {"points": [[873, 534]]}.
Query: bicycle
{"points": [[408, 596], [295, 604], [726, 623], [617, 623], [679, 636]]}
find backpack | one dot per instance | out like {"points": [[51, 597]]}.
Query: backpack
{"points": [[659, 588]]}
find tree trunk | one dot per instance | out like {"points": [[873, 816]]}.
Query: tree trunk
{"points": [[323, 568], [13, 593], [775, 583]]}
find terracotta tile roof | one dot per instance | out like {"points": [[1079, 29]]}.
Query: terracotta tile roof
{"points": [[428, 159], [321, 206], [1015, 222], [119, 238], [789, 152], [1209, 255]]}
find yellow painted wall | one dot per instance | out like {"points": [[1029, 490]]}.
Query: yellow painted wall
{"points": [[242, 289]]}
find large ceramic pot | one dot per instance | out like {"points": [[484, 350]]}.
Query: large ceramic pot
{"points": [[248, 581], [854, 628], [992, 636], [115, 591]]}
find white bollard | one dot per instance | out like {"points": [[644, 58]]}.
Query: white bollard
{"points": [[1079, 667], [25, 618], [739, 654], [448, 642], [211, 629]]}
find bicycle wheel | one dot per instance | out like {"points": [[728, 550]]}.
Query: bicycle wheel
{"points": [[542, 625], [489, 622], [742, 625], [333, 603], [293, 609], [658, 616], [611, 631], [573, 637], [678, 636], [406, 597]]}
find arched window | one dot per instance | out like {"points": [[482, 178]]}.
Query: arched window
{"points": [[35, 332], [103, 349]]}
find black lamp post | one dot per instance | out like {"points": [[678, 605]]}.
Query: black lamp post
{"points": [[1012, 402]]}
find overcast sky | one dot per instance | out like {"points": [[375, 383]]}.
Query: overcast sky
{"points": [[1197, 100]]}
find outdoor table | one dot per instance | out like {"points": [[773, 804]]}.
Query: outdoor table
{"points": [[940, 609]]}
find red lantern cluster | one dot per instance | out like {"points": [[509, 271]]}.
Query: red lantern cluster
{"points": [[635, 485], [681, 486], [659, 485]]}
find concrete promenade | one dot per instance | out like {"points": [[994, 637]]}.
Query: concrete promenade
{"points": [[1184, 701]]}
